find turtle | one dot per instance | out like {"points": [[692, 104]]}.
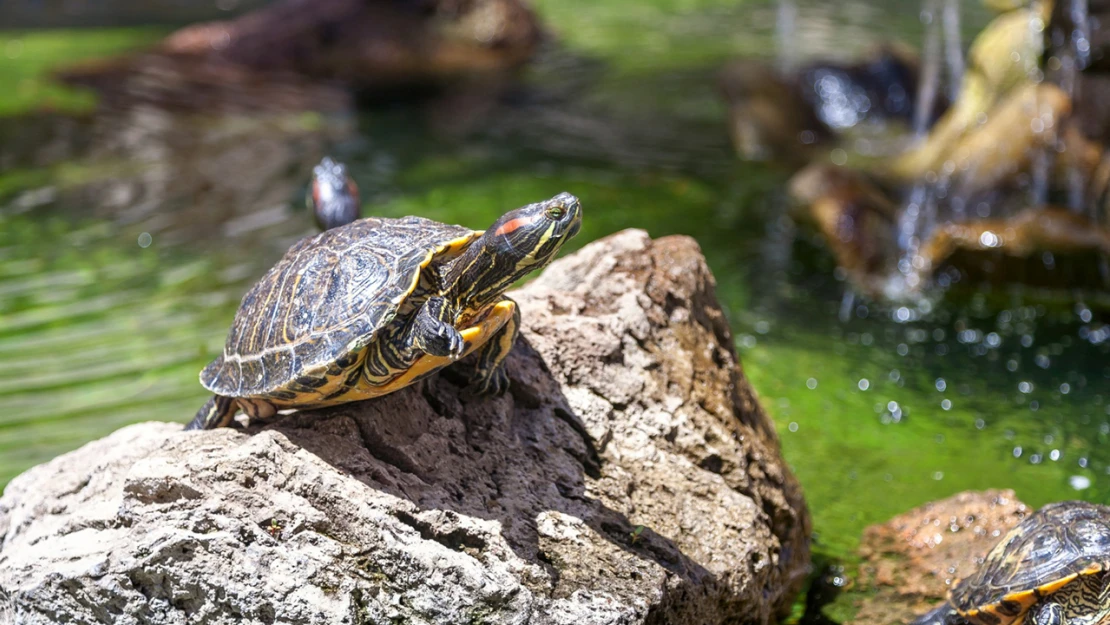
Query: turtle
{"points": [[333, 196], [367, 308], [1053, 568]]}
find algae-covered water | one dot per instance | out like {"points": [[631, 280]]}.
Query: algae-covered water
{"points": [[126, 240]]}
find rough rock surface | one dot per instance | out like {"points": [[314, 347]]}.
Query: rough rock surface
{"points": [[910, 561], [628, 477]]}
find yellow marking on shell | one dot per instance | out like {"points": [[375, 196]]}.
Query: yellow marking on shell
{"points": [[458, 244], [1026, 599], [475, 336], [1053, 586]]}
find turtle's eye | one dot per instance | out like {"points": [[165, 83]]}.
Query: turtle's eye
{"points": [[556, 212]]}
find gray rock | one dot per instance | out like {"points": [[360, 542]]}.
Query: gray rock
{"points": [[629, 476]]}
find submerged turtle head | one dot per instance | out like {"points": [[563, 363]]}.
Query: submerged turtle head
{"points": [[518, 243], [333, 197]]}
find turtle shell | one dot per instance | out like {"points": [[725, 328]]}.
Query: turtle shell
{"points": [[1044, 553], [326, 299]]}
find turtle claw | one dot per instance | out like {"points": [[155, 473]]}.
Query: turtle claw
{"points": [[455, 342], [444, 341]]}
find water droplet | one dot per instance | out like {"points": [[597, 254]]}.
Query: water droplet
{"points": [[1054, 455], [811, 383], [1025, 387], [989, 239], [980, 424], [145, 240], [864, 384], [1065, 388], [793, 426], [938, 475], [762, 327], [941, 384], [1079, 482], [946, 404], [1017, 451]]}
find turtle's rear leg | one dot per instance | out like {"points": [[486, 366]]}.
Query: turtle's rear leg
{"points": [[216, 412]]}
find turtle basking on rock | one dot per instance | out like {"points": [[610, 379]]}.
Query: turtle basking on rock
{"points": [[1052, 569], [370, 307]]}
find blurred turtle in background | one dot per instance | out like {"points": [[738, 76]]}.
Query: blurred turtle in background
{"points": [[333, 195]]}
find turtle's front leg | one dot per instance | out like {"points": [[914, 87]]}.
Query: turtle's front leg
{"points": [[429, 333], [488, 376]]}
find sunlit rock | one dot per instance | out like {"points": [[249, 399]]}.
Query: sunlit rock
{"points": [[910, 561], [629, 476]]}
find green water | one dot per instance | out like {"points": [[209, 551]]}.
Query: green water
{"points": [[126, 241]]}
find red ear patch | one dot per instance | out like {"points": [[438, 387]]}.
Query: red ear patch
{"points": [[352, 188], [315, 193], [510, 226]]}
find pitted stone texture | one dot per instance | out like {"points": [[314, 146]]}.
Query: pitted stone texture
{"points": [[628, 477]]}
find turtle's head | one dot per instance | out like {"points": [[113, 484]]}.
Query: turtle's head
{"points": [[531, 236], [518, 243], [333, 197]]}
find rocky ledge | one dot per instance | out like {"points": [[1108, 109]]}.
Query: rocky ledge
{"points": [[910, 562], [629, 476]]}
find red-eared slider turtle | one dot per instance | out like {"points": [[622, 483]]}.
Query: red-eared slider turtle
{"points": [[1052, 569], [333, 197], [367, 308]]}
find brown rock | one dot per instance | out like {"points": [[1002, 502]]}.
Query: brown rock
{"points": [[910, 561], [628, 477]]}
